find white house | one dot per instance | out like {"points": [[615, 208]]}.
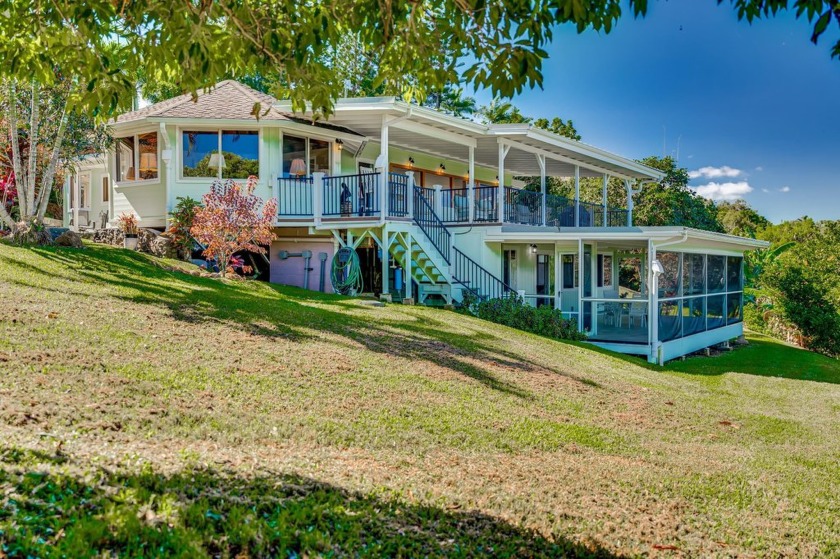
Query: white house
{"points": [[428, 202]]}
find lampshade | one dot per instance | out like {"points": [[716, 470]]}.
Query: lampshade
{"points": [[217, 160], [148, 162], [298, 167]]}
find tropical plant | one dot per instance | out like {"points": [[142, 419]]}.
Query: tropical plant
{"points": [[233, 219], [128, 224], [180, 222]]}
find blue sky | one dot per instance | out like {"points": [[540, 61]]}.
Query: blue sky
{"points": [[754, 109]]}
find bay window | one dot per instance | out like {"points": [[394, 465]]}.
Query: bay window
{"points": [[222, 154], [137, 157]]}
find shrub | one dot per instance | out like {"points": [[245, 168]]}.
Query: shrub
{"points": [[128, 224], [181, 221], [512, 311]]}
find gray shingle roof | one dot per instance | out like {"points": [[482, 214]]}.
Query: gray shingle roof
{"points": [[227, 100]]}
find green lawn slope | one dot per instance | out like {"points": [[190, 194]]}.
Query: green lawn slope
{"points": [[146, 412]]}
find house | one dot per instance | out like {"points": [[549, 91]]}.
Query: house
{"points": [[428, 203]]}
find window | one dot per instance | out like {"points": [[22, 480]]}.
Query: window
{"points": [[136, 157], [733, 308], [670, 323], [694, 315], [716, 266], [227, 154], [72, 191], [545, 279], [733, 273], [669, 280], [570, 271], [304, 156], [714, 312], [106, 190], [84, 190], [604, 270], [694, 274]]}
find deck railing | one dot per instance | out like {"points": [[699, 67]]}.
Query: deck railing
{"points": [[486, 204], [454, 205], [477, 279], [294, 197], [523, 206], [352, 195], [428, 221], [398, 195]]}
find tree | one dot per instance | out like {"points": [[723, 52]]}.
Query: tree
{"points": [[499, 45], [738, 218], [233, 219], [671, 202], [41, 135]]}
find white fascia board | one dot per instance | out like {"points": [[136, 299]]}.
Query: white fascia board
{"points": [[215, 124], [562, 158], [432, 132]]}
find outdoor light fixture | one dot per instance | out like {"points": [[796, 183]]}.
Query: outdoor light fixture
{"points": [[339, 144], [411, 162], [533, 249], [442, 168], [657, 268]]}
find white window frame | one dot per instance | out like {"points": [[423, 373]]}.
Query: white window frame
{"points": [[136, 136], [79, 197], [218, 130], [308, 138]]}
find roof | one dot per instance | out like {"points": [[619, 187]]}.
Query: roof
{"points": [[426, 130], [227, 100]]}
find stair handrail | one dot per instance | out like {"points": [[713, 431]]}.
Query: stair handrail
{"points": [[431, 225], [495, 287]]}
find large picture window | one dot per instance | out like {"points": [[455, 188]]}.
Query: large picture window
{"points": [[137, 157], [226, 154], [669, 280]]}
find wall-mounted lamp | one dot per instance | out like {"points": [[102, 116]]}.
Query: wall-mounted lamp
{"points": [[339, 144], [657, 268], [441, 168], [533, 249], [411, 162]]}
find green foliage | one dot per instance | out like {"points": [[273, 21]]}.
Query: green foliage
{"points": [[803, 300], [512, 311], [738, 218], [671, 202], [180, 223], [236, 167], [503, 112]]}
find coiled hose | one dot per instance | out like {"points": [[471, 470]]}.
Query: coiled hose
{"points": [[346, 272]]}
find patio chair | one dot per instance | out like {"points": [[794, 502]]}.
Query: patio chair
{"points": [[636, 312], [462, 209]]}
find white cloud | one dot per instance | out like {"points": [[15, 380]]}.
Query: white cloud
{"points": [[724, 191], [766, 191], [715, 172], [784, 189], [759, 168]]}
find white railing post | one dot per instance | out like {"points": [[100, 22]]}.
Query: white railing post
{"points": [[605, 199], [629, 188], [471, 200], [410, 193], [577, 196], [438, 203], [318, 196]]}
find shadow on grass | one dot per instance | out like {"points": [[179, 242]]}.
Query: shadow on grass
{"points": [[294, 314], [81, 510]]}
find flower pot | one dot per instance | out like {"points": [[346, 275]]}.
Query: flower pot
{"points": [[130, 242]]}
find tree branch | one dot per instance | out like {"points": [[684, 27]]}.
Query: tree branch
{"points": [[34, 126], [49, 175], [13, 138]]}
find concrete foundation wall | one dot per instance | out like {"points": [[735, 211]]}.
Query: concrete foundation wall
{"points": [[291, 271]]}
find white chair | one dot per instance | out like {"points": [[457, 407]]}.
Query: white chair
{"points": [[636, 312]]}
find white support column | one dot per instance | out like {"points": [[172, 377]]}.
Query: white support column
{"points": [[318, 196], [604, 198], [503, 151], [383, 186], [384, 247], [653, 304], [407, 266], [558, 281], [437, 202], [541, 163], [629, 187], [580, 285], [275, 193], [410, 193], [593, 277], [577, 196], [471, 186]]}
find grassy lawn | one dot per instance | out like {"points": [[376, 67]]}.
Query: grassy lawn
{"points": [[145, 412]]}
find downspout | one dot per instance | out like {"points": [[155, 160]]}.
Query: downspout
{"points": [[653, 282]]}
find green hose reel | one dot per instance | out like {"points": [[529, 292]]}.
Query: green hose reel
{"points": [[346, 272]]}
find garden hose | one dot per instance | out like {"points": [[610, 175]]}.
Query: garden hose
{"points": [[346, 273]]}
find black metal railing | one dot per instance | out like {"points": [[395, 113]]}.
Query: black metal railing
{"points": [[454, 205], [294, 196], [429, 222], [560, 212], [477, 279], [486, 204], [397, 195], [523, 206], [352, 195]]}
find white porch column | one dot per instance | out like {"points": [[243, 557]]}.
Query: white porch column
{"points": [[593, 278], [275, 193], [541, 163], [577, 195], [471, 186], [558, 281], [580, 285], [410, 193], [383, 181], [653, 303], [437, 203], [604, 197], [407, 266], [503, 151], [629, 187], [317, 196]]}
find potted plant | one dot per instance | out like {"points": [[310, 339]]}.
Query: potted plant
{"points": [[128, 225]]}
